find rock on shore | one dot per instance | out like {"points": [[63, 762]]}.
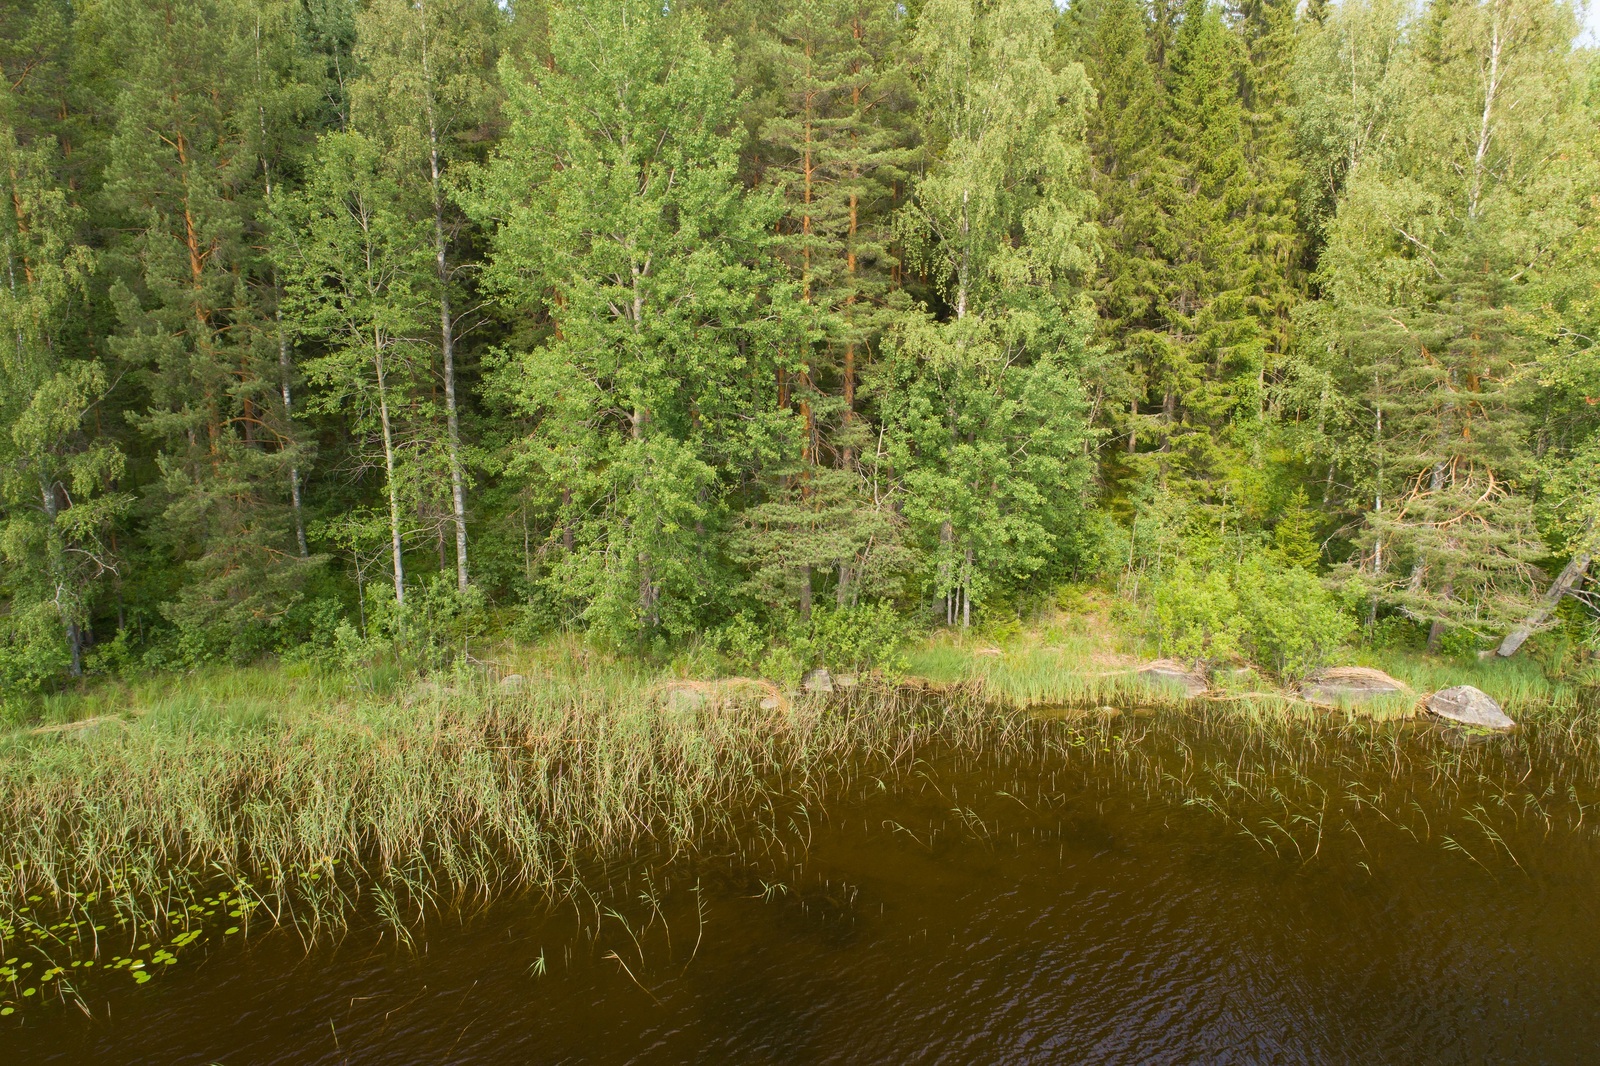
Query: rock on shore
{"points": [[1469, 706], [1173, 674], [1350, 684], [818, 680]]}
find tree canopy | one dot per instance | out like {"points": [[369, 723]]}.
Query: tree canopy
{"points": [[697, 320]]}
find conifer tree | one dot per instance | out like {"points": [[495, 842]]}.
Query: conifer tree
{"points": [[1425, 271], [1277, 242], [1113, 38], [1211, 350], [837, 150], [183, 182]]}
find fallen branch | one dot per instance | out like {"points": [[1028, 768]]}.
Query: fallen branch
{"points": [[1564, 583]]}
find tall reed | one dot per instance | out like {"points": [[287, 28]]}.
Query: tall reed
{"points": [[447, 795]]}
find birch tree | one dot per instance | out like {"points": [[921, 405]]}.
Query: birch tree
{"points": [[425, 89], [621, 222], [980, 396], [58, 478], [353, 268]]}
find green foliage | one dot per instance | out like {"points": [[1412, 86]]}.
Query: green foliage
{"points": [[983, 407], [32, 651], [1294, 536], [1289, 621], [723, 326], [1455, 194], [668, 317], [843, 638], [741, 640], [1280, 616], [853, 638], [1195, 615]]}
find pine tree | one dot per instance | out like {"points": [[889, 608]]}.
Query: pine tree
{"points": [[183, 182], [1425, 271], [837, 150]]}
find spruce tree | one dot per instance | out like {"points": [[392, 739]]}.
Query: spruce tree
{"points": [[1210, 352], [1113, 37]]}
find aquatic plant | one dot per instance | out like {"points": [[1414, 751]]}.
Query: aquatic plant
{"points": [[449, 794]]}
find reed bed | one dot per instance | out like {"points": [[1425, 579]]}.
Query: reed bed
{"points": [[149, 817], [1294, 787], [448, 795]]}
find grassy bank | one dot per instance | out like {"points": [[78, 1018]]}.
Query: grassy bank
{"points": [[169, 810], [1087, 658]]}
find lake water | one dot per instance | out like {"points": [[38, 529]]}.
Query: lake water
{"points": [[1144, 890]]}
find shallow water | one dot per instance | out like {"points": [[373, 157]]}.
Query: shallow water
{"points": [[1143, 891]]}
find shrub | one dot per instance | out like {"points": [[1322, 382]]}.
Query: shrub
{"points": [[1194, 614], [1288, 619], [854, 638], [33, 646], [1281, 616], [741, 640]]}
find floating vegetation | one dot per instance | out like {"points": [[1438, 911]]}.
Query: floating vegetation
{"points": [[53, 958]]}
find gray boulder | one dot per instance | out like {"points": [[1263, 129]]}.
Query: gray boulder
{"points": [[684, 699], [1469, 706], [1169, 673], [1350, 684], [818, 680]]}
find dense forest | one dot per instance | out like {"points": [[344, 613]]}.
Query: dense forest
{"points": [[332, 325]]}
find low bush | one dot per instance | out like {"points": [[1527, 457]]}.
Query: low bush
{"points": [[1280, 616]]}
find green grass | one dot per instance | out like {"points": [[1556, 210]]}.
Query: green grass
{"points": [[169, 808], [1087, 660], [313, 800]]}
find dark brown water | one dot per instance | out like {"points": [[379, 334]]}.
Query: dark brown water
{"points": [[1154, 891]]}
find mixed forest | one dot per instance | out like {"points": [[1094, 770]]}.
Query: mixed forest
{"points": [[352, 327]]}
